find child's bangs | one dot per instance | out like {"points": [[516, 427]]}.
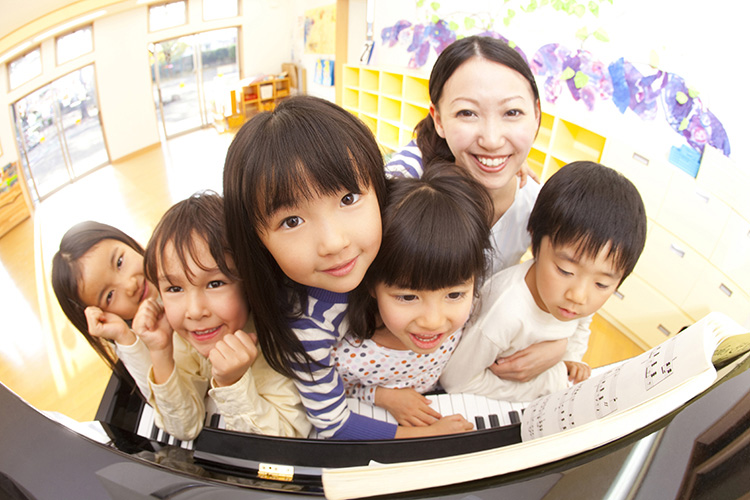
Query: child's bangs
{"points": [[427, 254], [303, 162]]}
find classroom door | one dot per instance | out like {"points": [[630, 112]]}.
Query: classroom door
{"points": [[192, 77], [59, 133]]}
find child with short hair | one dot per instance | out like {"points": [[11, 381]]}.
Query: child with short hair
{"points": [[406, 318], [588, 229], [188, 257], [304, 186]]}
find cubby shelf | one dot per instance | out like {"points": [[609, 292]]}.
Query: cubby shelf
{"points": [[697, 256]]}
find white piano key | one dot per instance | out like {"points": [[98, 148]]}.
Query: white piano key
{"points": [[446, 406], [493, 407], [379, 413], [470, 407], [146, 422]]}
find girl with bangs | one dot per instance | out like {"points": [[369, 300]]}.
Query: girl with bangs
{"points": [[303, 188], [407, 318]]}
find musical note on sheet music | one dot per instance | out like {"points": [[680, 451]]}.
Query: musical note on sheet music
{"points": [[659, 364], [605, 399]]}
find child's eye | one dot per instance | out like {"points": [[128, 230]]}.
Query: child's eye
{"points": [[108, 299], [215, 284], [456, 295], [119, 262], [406, 298], [173, 289], [350, 199], [564, 272], [602, 286], [291, 222]]}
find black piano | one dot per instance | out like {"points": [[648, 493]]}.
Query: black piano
{"points": [[699, 451]]}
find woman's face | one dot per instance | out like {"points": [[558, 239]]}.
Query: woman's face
{"points": [[112, 279], [489, 117]]}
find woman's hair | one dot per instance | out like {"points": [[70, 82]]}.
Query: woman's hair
{"points": [[430, 143], [436, 234], [200, 217], [306, 148], [66, 274], [590, 205]]}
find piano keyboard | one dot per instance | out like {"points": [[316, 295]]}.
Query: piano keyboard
{"points": [[147, 428], [483, 412]]}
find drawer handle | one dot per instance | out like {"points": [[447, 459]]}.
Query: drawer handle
{"points": [[703, 196], [679, 251], [663, 329], [619, 295], [727, 291], [640, 159]]}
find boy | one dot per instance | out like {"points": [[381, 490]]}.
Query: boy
{"points": [[588, 228]]}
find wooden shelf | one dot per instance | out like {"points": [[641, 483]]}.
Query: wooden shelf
{"points": [[263, 95]]}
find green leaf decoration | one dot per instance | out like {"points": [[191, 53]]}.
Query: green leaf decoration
{"points": [[693, 93], [581, 79], [531, 7], [511, 13], [557, 5], [683, 124], [568, 73], [681, 97], [469, 23], [453, 26], [582, 34], [506, 21], [435, 5], [601, 35], [579, 10], [594, 8], [420, 3], [511, 44], [435, 19]]}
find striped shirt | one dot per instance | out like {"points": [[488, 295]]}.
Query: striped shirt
{"points": [[320, 386]]}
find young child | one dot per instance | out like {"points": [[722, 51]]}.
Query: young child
{"points": [[204, 303], [304, 185], [406, 318], [98, 279], [588, 228]]}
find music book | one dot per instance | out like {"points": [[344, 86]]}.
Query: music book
{"points": [[616, 402]]}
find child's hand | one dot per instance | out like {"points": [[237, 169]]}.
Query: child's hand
{"points": [[232, 356], [409, 407], [452, 424], [151, 326], [108, 326], [524, 173], [527, 363], [577, 372]]}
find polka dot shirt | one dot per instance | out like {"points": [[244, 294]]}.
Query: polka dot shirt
{"points": [[365, 365]]}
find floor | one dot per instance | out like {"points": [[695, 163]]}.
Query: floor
{"points": [[42, 357]]}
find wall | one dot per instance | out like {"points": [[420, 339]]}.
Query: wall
{"points": [[122, 68], [303, 58], [677, 39]]}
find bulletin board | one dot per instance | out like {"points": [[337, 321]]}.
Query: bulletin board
{"points": [[320, 30]]}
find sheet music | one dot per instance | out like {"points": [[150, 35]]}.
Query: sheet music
{"points": [[625, 386]]}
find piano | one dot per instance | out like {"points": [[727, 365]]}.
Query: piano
{"points": [[699, 451]]}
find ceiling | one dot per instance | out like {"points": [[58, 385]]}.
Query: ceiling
{"points": [[16, 14]]}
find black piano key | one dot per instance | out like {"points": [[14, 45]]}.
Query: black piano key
{"points": [[154, 432], [480, 422], [177, 442], [215, 419], [514, 417], [494, 421]]}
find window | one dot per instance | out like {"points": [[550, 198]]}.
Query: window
{"points": [[219, 9], [74, 44], [167, 15], [25, 68]]}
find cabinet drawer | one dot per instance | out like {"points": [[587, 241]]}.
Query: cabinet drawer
{"points": [[651, 177], [716, 292], [693, 214], [669, 265], [645, 312], [732, 254]]}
